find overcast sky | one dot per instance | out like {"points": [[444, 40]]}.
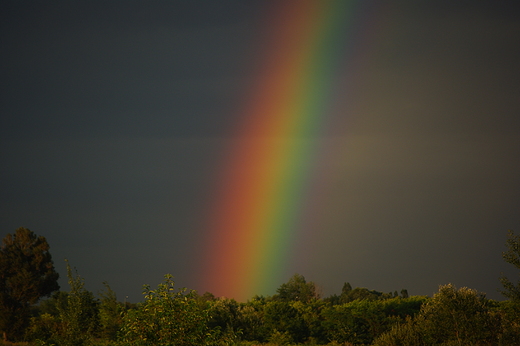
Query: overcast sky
{"points": [[114, 117]]}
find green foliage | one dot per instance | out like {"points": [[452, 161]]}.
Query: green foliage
{"points": [[110, 313], [361, 321], [251, 320], [67, 318], [347, 287], [351, 322], [509, 312], [224, 314], [460, 315], [283, 317], [79, 316], [360, 293], [452, 317], [46, 325], [52, 305], [26, 274], [401, 334], [297, 289], [168, 317], [404, 307], [43, 327], [315, 321], [512, 256], [280, 338], [311, 314]]}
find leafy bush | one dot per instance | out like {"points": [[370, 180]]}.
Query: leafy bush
{"points": [[168, 317], [452, 317], [43, 327]]}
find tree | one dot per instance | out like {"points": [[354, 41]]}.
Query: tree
{"points": [[26, 274], [297, 289], [459, 315], [224, 314], [110, 313], [347, 288], [285, 321], [79, 316], [167, 317], [512, 256], [361, 293], [453, 316]]}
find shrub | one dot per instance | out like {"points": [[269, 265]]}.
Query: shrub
{"points": [[452, 317], [168, 317]]}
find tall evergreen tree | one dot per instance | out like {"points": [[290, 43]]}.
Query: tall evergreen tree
{"points": [[346, 288], [26, 274], [512, 256]]}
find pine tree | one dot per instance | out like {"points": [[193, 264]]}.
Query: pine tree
{"points": [[512, 256], [26, 274]]}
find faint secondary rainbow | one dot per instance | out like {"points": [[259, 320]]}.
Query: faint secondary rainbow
{"points": [[265, 180]]}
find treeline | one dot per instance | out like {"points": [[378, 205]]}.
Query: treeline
{"points": [[170, 316], [295, 315]]}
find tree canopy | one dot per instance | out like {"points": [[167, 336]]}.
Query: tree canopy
{"points": [[26, 274], [297, 289]]}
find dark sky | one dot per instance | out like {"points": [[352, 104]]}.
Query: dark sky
{"points": [[114, 117]]}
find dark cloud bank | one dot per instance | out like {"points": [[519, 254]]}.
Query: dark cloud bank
{"points": [[114, 117]]}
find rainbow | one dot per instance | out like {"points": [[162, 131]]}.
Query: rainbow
{"points": [[268, 177]]}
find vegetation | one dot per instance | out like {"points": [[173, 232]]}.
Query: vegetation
{"points": [[26, 274], [295, 315], [169, 317], [512, 256]]}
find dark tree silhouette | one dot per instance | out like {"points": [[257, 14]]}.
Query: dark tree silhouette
{"points": [[26, 274], [512, 256]]}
